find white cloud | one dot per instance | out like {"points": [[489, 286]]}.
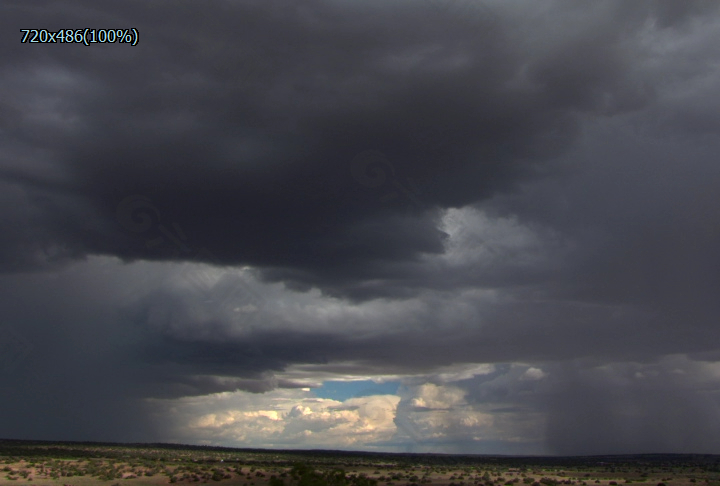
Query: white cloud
{"points": [[481, 240], [533, 374], [437, 397], [282, 417]]}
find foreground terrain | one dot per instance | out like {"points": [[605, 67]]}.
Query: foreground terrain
{"points": [[84, 464]]}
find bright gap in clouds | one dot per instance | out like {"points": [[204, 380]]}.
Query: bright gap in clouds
{"points": [[342, 390]]}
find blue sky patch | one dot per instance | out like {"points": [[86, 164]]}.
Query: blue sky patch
{"points": [[342, 390]]}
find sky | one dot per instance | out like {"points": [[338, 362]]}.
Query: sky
{"points": [[453, 226]]}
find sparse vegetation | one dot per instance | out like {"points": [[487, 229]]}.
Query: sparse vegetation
{"points": [[84, 464]]}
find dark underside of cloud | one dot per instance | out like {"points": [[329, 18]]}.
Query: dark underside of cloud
{"points": [[256, 136]]}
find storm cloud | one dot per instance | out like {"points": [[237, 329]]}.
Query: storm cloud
{"points": [[510, 210]]}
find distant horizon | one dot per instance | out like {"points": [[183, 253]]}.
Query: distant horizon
{"points": [[220, 448]]}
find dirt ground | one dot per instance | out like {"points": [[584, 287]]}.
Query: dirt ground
{"points": [[22, 472]]}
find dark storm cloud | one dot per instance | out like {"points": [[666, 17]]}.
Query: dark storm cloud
{"points": [[322, 144], [241, 124]]}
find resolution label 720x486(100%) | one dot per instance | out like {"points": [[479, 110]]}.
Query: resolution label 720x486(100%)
{"points": [[80, 36]]}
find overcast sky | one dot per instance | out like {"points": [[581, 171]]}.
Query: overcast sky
{"points": [[395, 225]]}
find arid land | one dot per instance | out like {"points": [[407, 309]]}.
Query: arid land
{"points": [[85, 464]]}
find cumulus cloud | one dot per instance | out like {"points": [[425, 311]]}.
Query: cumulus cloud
{"points": [[281, 419]]}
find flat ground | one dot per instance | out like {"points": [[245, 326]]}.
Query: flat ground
{"points": [[75, 464]]}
